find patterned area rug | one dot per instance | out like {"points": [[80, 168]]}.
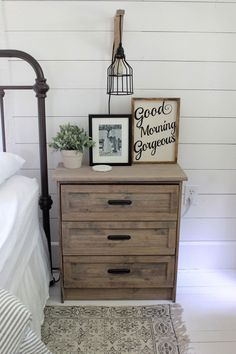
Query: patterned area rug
{"points": [[154, 329]]}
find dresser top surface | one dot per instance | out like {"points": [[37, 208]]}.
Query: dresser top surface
{"points": [[134, 173]]}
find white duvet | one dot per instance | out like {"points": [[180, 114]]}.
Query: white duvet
{"points": [[24, 268]]}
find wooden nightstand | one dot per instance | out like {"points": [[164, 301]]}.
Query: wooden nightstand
{"points": [[120, 231]]}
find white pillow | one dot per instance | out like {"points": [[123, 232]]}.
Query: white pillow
{"points": [[9, 165]]}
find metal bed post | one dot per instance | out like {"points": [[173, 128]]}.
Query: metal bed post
{"points": [[41, 88], [2, 93]]}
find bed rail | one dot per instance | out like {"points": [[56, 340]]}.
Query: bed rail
{"points": [[40, 87]]}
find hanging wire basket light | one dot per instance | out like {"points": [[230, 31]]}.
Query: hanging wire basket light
{"points": [[119, 73]]}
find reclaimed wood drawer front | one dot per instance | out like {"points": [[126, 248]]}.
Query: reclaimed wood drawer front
{"points": [[118, 271], [116, 293], [119, 202], [119, 238]]}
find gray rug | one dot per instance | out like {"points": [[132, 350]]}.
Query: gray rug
{"points": [[115, 330]]}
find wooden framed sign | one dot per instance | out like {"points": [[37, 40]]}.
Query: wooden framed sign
{"points": [[155, 130]]}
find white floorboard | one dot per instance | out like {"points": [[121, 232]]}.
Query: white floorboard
{"points": [[208, 299], [215, 348]]}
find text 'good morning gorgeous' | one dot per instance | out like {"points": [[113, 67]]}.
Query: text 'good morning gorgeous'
{"points": [[151, 126]]}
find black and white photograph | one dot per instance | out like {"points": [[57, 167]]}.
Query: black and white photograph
{"points": [[110, 139], [111, 134]]}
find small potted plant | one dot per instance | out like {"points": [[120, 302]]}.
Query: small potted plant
{"points": [[71, 141]]}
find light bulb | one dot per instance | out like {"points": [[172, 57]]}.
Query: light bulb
{"points": [[118, 68]]}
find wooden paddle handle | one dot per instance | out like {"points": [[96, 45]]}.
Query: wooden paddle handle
{"points": [[117, 38]]}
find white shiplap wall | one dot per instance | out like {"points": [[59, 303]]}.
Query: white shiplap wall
{"points": [[180, 49]]}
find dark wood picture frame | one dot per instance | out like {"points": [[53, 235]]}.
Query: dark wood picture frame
{"points": [[112, 136], [155, 130]]}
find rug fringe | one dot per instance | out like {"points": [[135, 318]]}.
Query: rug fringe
{"points": [[180, 329]]}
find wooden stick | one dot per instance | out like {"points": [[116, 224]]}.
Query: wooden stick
{"points": [[117, 39]]}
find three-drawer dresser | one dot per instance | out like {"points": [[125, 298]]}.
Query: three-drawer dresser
{"points": [[119, 231]]}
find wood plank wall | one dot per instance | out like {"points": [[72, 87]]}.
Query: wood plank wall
{"points": [[177, 48]]}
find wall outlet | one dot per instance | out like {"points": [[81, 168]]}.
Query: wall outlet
{"points": [[191, 194]]}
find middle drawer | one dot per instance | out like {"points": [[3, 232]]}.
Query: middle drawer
{"points": [[119, 238]]}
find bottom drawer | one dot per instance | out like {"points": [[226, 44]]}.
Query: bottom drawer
{"points": [[119, 294], [118, 272]]}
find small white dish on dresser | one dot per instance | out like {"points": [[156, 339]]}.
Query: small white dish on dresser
{"points": [[102, 168]]}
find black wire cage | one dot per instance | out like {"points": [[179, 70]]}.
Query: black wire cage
{"points": [[119, 73]]}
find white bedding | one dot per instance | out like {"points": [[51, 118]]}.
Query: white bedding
{"points": [[24, 265]]}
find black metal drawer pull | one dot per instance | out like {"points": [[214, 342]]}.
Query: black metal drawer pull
{"points": [[119, 271], [118, 237], [119, 202]]}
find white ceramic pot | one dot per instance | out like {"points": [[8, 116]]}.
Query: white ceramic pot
{"points": [[72, 158]]}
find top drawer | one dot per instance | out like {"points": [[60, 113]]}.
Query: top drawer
{"points": [[119, 202]]}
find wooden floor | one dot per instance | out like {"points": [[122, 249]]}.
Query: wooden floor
{"points": [[208, 299]]}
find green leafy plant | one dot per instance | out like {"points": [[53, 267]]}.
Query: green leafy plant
{"points": [[71, 137]]}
